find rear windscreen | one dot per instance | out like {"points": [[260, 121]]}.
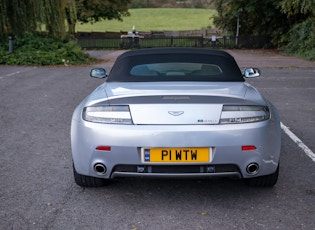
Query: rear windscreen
{"points": [[171, 67], [175, 69]]}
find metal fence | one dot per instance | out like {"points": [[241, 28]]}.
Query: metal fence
{"points": [[224, 42]]}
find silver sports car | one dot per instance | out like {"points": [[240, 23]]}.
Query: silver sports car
{"points": [[175, 112]]}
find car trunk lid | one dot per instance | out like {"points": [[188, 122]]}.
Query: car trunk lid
{"points": [[177, 104]]}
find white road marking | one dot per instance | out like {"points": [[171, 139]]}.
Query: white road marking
{"points": [[11, 74], [17, 72], [298, 141]]}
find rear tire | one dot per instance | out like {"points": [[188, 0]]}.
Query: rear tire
{"points": [[88, 181], [263, 181]]}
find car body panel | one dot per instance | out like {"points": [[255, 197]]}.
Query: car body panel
{"points": [[175, 114]]}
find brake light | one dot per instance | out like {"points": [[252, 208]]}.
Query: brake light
{"points": [[117, 114], [103, 148], [237, 114], [248, 147]]}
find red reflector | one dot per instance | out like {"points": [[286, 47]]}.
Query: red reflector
{"points": [[248, 147], [103, 148]]}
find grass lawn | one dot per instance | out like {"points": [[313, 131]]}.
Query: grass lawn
{"points": [[155, 19]]}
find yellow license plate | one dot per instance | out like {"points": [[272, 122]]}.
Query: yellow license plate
{"points": [[177, 155]]}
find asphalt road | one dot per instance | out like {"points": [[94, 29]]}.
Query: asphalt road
{"points": [[37, 190]]}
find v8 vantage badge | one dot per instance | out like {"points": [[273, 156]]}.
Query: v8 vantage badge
{"points": [[207, 121]]}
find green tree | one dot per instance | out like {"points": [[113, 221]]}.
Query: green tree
{"points": [[300, 39], [13, 17], [290, 24], [171, 3], [71, 15], [139, 4], [57, 17], [304, 7], [96, 10], [256, 17], [18, 17]]}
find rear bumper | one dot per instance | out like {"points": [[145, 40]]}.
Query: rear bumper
{"points": [[126, 141]]}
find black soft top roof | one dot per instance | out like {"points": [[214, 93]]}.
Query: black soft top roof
{"points": [[126, 61]]}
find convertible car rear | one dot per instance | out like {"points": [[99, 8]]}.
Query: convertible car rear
{"points": [[175, 112]]}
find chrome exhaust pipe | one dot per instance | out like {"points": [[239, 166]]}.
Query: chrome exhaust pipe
{"points": [[252, 168], [99, 168]]}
